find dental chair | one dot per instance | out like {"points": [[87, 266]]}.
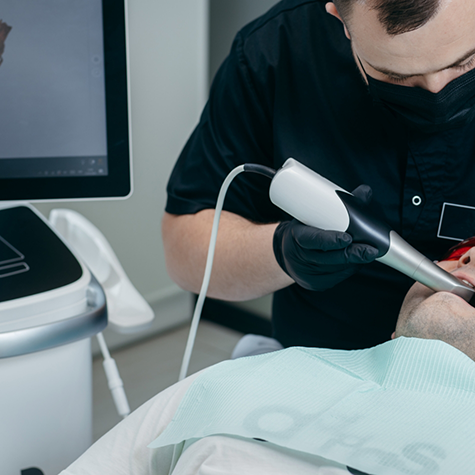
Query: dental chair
{"points": [[123, 450], [251, 345]]}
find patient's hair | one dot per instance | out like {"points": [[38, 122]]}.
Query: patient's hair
{"points": [[397, 16], [453, 329]]}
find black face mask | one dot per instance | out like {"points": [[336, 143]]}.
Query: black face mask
{"points": [[426, 111]]}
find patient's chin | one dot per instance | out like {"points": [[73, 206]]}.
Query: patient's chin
{"points": [[441, 306], [442, 301], [447, 298]]}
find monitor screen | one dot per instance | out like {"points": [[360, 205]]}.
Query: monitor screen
{"points": [[64, 131]]}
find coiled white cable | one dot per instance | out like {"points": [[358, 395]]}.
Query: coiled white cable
{"points": [[209, 265], [248, 167]]}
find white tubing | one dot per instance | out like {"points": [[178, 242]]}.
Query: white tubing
{"points": [[116, 387], [103, 346], [114, 380], [209, 265]]}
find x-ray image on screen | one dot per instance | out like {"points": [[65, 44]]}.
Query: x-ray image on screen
{"points": [[52, 88], [4, 30]]}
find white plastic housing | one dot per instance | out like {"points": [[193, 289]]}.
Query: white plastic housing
{"points": [[46, 409], [46, 307], [308, 197], [128, 311]]}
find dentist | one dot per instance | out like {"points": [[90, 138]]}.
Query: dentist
{"points": [[373, 92]]}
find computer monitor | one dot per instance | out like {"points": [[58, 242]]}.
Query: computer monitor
{"points": [[64, 119]]}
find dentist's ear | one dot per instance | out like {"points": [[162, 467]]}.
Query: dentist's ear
{"points": [[331, 9]]}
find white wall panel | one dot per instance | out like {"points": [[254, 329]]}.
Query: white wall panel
{"points": [[168, 64]]}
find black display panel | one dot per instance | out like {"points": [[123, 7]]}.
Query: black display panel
{"points": [[64, 129], [33, 259]]}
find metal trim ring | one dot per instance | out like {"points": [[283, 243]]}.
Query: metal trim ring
{"points": [[416, 200], [43, 337]]}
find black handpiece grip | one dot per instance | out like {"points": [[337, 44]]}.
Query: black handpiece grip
{"points": [[364, 227]]}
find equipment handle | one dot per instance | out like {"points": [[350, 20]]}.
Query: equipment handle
{"points": [[43, 337]]}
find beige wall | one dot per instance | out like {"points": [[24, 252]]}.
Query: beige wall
{"points": [[168, 81], [226, 18]]}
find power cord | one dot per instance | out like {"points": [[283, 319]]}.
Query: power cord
{"points": [[248, 167], [114, 380]]}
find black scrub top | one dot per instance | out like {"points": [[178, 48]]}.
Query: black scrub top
{"points": [[290, 88]]}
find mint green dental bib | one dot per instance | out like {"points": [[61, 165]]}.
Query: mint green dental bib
{"points": [[404, 407]]}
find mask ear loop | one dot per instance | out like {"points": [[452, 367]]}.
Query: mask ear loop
{"points": [[364, 70], [374, 94]]}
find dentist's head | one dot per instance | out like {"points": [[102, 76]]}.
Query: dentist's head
{"points": [[417, 57]]}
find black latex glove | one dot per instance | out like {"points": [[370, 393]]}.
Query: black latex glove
{"points": [[318, 259]]}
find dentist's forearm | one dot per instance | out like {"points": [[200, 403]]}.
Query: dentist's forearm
{"points": [[244, 264]]}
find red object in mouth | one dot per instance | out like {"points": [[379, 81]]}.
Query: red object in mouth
{"points": [[456, 252]]}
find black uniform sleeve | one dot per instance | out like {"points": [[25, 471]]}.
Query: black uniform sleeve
{"points": [[235, 128]]}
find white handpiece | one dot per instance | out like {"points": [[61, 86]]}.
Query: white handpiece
{"points": [[309, 197], [316, 201]]}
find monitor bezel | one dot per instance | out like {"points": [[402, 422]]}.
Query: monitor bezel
{"points": [[118, 182]]}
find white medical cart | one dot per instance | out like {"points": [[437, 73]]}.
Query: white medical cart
{"points": [[50, 306]]}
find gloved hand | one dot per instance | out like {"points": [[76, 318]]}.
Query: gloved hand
{"points": [[318, 259]]}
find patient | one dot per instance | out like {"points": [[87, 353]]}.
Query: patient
{"points": [[403, 407], [443, 316]]}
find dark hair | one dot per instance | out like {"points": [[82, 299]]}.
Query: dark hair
{"points": [[397, 16]]}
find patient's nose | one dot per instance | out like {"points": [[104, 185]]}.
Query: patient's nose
{"points": [[468, 259]]}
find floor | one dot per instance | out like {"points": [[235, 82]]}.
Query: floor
{"points": [[151, 366]]}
